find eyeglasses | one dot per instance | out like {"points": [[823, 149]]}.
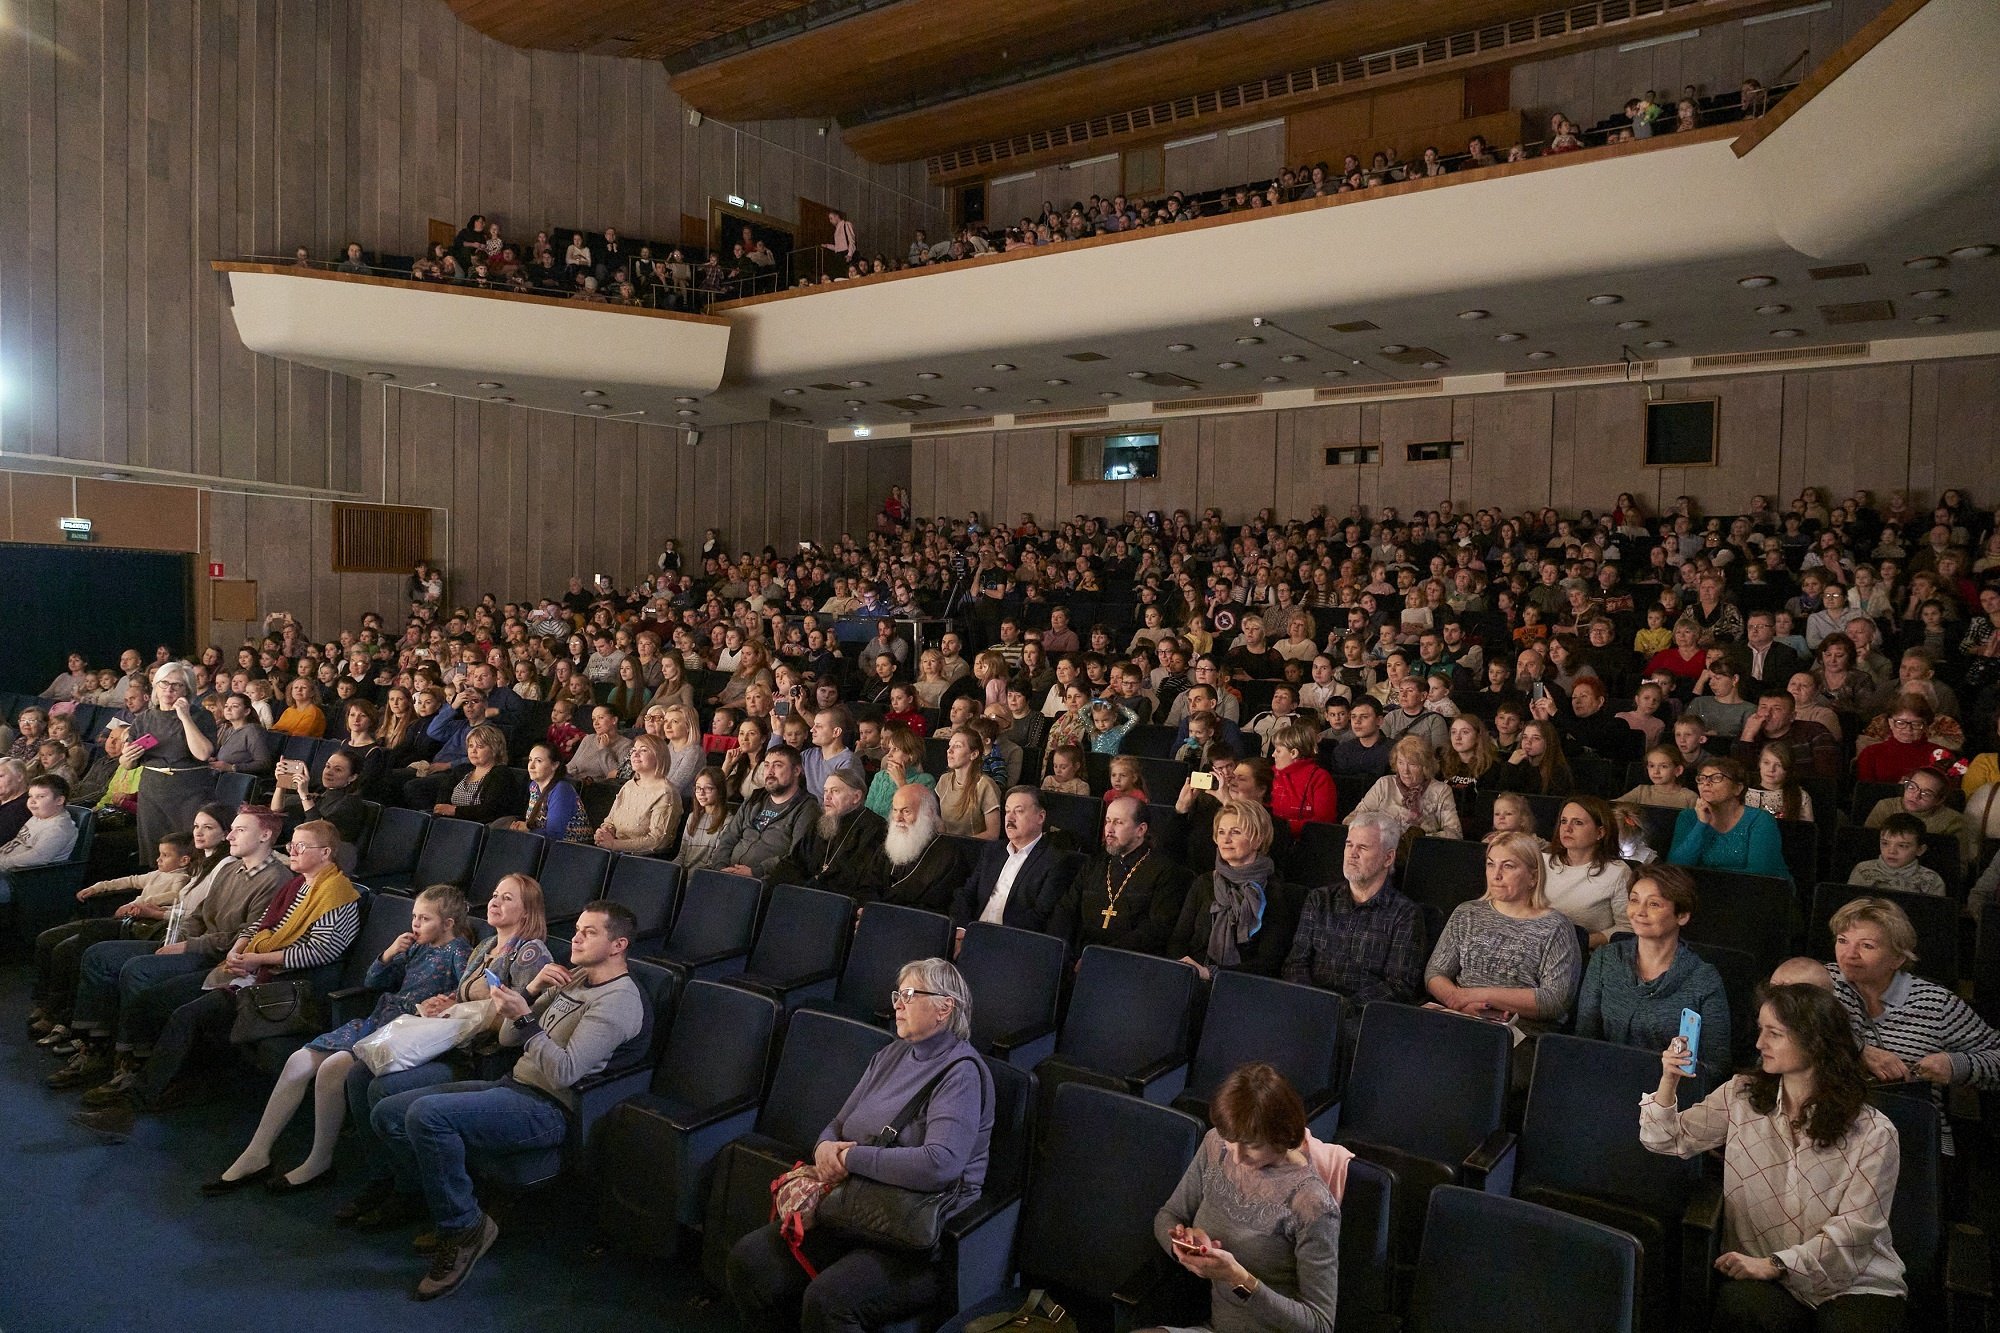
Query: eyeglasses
{"points": [[909, 993], [1711, 777], [1922, 789], [1906, 722], [295, 847]]}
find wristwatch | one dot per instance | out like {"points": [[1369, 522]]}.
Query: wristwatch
{"points": [[1243, 1292], [1779, 1264]]}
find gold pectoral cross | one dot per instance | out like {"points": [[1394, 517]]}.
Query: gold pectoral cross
{"points": [[1110, 910]]}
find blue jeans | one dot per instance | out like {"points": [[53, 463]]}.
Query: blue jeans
{"points": [[366, 1090], [116, 970], [427, 1131]]}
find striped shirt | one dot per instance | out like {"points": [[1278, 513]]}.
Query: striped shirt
{"points": [[325, 940], [1822, 1212], [1921, 1018]]}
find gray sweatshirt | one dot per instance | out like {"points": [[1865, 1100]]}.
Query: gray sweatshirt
{"points": [[573, 1032], [760, 832], [40, 842]]}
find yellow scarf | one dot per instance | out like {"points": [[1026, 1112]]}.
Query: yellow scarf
{"points": [[331, 890]]}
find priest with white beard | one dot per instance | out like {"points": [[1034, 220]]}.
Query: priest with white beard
{"points": [[916, 867]]}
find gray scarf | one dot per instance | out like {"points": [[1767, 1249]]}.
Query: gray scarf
{"points": [[1238, 908]]}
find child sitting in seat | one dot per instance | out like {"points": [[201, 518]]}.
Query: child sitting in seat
{"points": [[1066, 772], [1900, 866]]}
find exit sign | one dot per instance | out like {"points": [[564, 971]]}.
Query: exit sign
{"points": [[74, 529]]}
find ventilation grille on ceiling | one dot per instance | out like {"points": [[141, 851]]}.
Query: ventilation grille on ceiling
{"points": [[1747, 360], [1614, 370], [1828, 272], [913, 405], [1211, 404], [1355, 326], [1407, 389], [1271, 94], [1085, 356], [1413, 356], [1068, 414], [959, 423], [1858, 312], [379, 539]]}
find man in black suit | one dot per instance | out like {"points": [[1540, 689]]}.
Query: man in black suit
{"points": [[1129, 895], [1764, 662], [1020, 878]]}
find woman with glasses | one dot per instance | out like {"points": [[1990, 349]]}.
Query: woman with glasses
{"points": [[942, 1149], [1908, 746], [1205, 671], [1720, 832]]}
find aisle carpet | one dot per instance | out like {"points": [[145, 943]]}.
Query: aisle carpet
{"points": [[101, 1235]]}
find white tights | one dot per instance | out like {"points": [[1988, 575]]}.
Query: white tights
{"points": [[327, 1072]]}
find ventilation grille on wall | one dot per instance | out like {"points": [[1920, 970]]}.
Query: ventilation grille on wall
{"points": [[1828, 272], [1748, 360], [1614, 370], [1210, 404], [1066, 414], [1858, 312], [379, 539], [959, 423], [1519, 35], [1407, 389]]}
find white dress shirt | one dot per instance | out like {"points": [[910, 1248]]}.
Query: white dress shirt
{"points": [[996, 906]]}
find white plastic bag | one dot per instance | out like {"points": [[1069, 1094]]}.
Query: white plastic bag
{"points": [[411, 1040]]}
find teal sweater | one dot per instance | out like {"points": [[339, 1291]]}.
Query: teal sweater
{"points": [[1753, 847], [1615, 1006]]}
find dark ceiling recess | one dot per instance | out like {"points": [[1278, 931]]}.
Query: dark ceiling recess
{"points": [[912, 405], [1858, 312], [1356, 326], [1829, 272], [1086, 356]]}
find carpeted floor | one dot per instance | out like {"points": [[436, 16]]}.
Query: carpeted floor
{"points": [[105, 1236]]}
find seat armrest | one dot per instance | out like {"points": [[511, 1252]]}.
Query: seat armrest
{"points": [[1968, 1268], [710, 1115], [1147, 1075], [1701, 1245], [805, 982], [1490, 1166], [347, 1002], [347, 993], [1009, 1042], [1160, 1292], [979, 1212], [694, 961]]}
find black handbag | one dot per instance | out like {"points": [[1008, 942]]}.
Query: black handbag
{"points": [[275, 1009], [891, 1217]]}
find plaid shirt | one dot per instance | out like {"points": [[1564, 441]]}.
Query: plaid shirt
{"points": [[1364, 951]]}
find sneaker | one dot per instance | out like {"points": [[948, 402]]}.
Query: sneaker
{"points": [[66, 1048], [121, 1092], [373, 1195], [54, 1034], [86, 1069], [39, 1024], [457, 1252]]}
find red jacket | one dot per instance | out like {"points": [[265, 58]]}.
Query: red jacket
{"points": [[1302, 794]]}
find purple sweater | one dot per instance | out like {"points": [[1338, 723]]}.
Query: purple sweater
{"points": [[942, 1149]]}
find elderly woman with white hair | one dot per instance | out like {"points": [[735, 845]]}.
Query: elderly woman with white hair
{"points": [[920, 1121], [172, 740]]}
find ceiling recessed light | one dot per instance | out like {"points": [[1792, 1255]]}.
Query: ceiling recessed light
{"points": [[1274, 379], [1291, 358], [1036, 402], [1137, 374], [1975, 251], [858, 384], [921, 397], [850, 402], [1180, 347], [906, 413], [1057, 382], [1657, 343], [1391, 349], [1473, 314], [1929, 319], [982, 388], [1335, 374], [684, 398], [590, 393], [1787, 333], [1606, 298], [1759, 280], [1931, 294], [1109, 393], [928, 375], [1003, 365], [498, 398], [1540, 356], [1433, 365], [1632, 323], [1774, 309], [1508, 337], [380, 375], [686, 412], [599, 407], [1924, 261], [491, 384], [793, 393], [968, 407], [1229, 365], [1249, 340]]}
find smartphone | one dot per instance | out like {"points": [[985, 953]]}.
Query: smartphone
{"points": [[1188, 1245], [1202, 781], [493, 979], [1691, 1034]]}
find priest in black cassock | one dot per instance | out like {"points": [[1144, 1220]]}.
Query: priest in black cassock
{"points": [[840, 850], [1127, 896], [915, 866]]}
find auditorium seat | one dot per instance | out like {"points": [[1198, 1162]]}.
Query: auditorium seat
{"points": [[1853, 845], [716, 923], [1315, 856], [391, 853], [1148, 742], [238, 788], [1936, 921], [1561, 1271], [572, 876], [504, 852], [450, 850], [44, 896], [1015, 977], [1755, 914], [650, 889], [1441, 875], [800, 944], [1295, 1029], [888, 937], [1126, 1027], [651, 1154]]}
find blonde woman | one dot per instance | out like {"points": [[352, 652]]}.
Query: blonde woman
{"points": [[1298, 644], [931, 682], [685, 756], [647, 810], [1508, 956], [302, 716], [1412, 791]]}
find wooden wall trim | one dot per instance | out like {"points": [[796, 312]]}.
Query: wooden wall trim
{"points": [[1871, 36], [1604, 153], [406, 284]]}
